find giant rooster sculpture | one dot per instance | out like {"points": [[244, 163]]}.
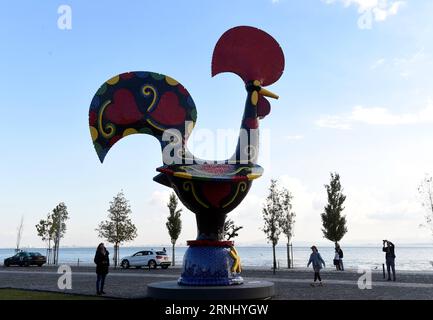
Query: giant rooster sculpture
{"points": [[156, 104]]}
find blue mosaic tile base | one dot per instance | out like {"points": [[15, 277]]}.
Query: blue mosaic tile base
{"points": [[208, 266]]}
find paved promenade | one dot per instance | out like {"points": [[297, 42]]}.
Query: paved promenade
{"points": [[289, 284]]}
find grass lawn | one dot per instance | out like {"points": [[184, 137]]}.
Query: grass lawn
{"points": [[18, 294]]}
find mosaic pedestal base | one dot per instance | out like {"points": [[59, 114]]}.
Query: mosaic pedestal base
{"points": [[210, 263], [249, 290]]}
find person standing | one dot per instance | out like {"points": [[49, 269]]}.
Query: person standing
{"points": [[317, 261], [340, 256], [389, 249], [102, 262], [336, 260]]}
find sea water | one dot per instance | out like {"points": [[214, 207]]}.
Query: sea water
{"points": [[416, 258]]}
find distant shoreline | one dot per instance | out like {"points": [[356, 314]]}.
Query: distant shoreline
{"points": [[410, 258], [420, 245]]}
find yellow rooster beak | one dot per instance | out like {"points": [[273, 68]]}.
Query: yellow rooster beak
{"points": [[267, 93]]}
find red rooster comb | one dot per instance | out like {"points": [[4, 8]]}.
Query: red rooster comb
{"points": [[250, 53]]}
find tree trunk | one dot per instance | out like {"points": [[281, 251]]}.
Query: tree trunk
{"points": [[57, 250], [291, 250], [288, 255], [172, 255], [116, 249], [56, 243], [54, 251], [274, 258], [118, 255], [115, 255], [49, 252]]}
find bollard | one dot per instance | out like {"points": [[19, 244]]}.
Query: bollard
{"points": [[78, 262], [383, 270]]}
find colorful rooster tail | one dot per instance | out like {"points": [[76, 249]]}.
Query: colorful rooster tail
{"points": [[140, 102]]}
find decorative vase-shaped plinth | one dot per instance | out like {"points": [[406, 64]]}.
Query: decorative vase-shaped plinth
{"points": [[210, 263]]}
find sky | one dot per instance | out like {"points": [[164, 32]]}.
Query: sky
{"points": [[355, 98]]}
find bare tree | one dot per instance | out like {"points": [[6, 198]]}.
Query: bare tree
{"points": [[425, 190], [19, 234]]}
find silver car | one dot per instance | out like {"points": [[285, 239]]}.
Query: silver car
{"points": [[147, 258]]}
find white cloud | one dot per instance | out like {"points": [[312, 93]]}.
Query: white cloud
{"points": [[376, 116], [380, 209], [378, 63], [159, 198], [383, 212], [307, 204], [380, 14], [372, 211], [395, 7], [304, 200], [294, 137], [417, 57], [333, 122], [383, 7], [377, 10], [405, 66]]}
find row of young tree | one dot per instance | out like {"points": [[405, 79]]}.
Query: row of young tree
{"points": [[117, 229], [52, 229], [278, 216]]}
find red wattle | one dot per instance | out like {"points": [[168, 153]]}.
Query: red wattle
{"points": [[263, 107]]}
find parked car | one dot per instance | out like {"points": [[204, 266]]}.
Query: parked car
{"points": [[25, 259], [147, 258]]}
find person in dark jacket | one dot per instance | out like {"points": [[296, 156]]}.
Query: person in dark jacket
{"points": [[389, 249], [340, 256], [102, 262], [337, 260]]}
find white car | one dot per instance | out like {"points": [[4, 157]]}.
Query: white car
{"points": [[146, 258]]}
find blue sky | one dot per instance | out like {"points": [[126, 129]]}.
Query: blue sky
{"points": [[355, 98]]}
